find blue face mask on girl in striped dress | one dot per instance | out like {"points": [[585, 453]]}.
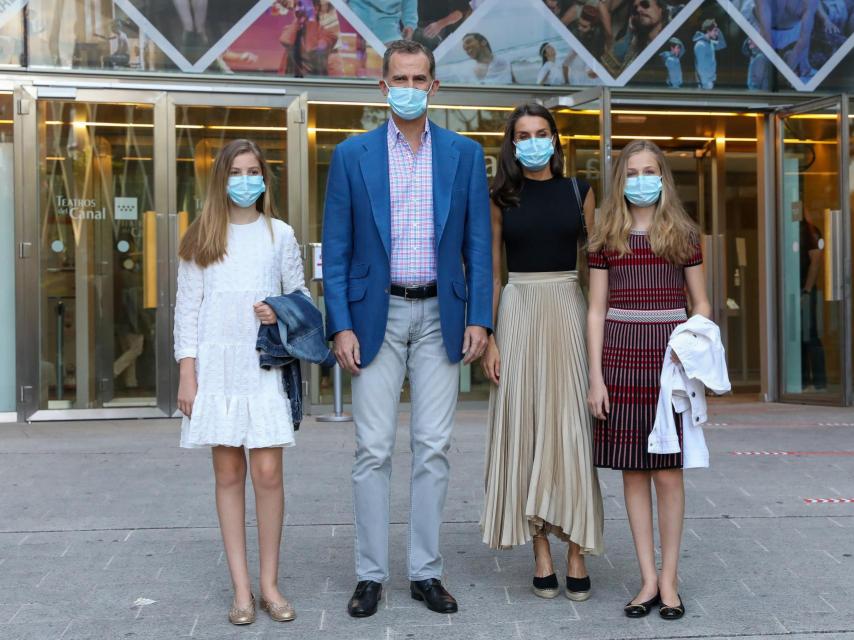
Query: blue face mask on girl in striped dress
{"points": [[643, 191]]}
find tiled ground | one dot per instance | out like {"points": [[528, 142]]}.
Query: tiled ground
{"points": [[95, 515]]}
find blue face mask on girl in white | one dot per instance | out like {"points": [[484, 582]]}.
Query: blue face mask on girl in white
{"points": [[643, 191], [245, 190]]}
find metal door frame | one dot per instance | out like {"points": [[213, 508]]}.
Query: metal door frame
{"points": [[841, 103], [28, 273]]}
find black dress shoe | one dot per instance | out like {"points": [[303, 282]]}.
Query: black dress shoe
{"points": [[642, 608], [672, 613], [434, 595], [365, 599]]}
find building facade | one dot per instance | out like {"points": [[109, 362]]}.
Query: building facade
{"points": [[111, 112]]}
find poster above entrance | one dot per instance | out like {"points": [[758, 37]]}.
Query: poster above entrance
{"points": [[569, 43]]}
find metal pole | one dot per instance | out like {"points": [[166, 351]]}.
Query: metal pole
{"points": [[60, 323], [338, 414]]}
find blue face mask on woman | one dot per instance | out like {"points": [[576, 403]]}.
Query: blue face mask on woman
{"points": [[245, 190], [534, 153], [408, 103], [642, 191]]}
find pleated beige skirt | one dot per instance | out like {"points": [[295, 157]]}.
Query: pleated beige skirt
{"points": [[540, 476]]}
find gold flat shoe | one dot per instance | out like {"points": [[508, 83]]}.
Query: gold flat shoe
{"points": [[283, 612], [242, 616]]}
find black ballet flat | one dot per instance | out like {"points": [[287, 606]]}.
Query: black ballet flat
{"points": [[672, 613], [641, 609], [547, 587]]}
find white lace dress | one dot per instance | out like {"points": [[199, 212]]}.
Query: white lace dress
{"points": [[238, 403]]}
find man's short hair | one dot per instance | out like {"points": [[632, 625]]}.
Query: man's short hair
{"points": [[411, 47], [708, 25]]}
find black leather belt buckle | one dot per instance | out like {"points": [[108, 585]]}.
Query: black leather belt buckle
{"points": [[415, 293]]}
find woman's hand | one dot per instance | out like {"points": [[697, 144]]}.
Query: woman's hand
{"points": [[597, 400], [187, 389], [264, 313], [491, 362]]}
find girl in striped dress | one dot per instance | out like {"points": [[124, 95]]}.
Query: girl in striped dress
{"points": [[644, 255]]}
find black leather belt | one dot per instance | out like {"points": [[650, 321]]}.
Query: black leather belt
{"points": [[415, 293]]}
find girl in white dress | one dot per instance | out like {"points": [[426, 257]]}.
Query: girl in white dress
{"points": [[233, 256]]}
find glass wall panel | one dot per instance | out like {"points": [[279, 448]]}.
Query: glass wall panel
{"points": [[7, 257], [811, 248], [98, 268]]}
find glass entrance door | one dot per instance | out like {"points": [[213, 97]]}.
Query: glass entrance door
{"points": [[812, 221], [119, 176], [90, 306]]}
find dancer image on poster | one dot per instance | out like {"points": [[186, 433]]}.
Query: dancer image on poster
{"points": [[707, 41], [388, 20], [788, 26], [588, 30], [550, 72], [193, 15], [759, 70], [119, 46], [835, 22], [437, 19], [310, 38], [673, 62], [648, 19], [568, 11], [486, 67]]}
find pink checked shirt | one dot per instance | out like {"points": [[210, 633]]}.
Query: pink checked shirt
{"points": [[413, 257]]}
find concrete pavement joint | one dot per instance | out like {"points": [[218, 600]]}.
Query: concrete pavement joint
{"points": [[824, 600], [64, 631], [831, 556]]}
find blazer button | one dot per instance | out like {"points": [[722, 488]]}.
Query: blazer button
{"points": [[386, 290], [697, 419], [693, 394]]}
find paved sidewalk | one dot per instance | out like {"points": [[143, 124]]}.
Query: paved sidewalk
{"points": [[95, 515]]}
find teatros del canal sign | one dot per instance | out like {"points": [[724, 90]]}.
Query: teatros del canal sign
{"points": [[80, 208]]}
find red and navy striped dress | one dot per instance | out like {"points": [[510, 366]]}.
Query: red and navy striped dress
{"points": [[646, 301]]}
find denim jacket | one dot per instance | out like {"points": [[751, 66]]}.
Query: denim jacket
{"points": [[298, 335]]}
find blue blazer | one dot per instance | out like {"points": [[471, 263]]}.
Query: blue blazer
{"points": [[357, 239]]}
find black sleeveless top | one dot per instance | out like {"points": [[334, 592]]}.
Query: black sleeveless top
{"points": [[541, 234]]}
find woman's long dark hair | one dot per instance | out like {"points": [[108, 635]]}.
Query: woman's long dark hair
{"points": [[508, 177]]}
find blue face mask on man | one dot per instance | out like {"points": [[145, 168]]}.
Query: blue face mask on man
{"points": [[534, 153], [245, 190], [643, 191], [408, 103]]}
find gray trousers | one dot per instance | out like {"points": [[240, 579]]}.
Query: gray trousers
{"points": [[412, 345]]}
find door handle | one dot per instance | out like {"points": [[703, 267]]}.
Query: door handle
{"points": [[833, 264]]}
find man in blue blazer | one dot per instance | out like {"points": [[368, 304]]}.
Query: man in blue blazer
{"points": [[407, 280]]}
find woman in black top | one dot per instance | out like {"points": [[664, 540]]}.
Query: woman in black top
{"points": [[540, 477]]}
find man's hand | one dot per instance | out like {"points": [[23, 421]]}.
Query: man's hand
{"points": [[474, 344], [346, 349]]}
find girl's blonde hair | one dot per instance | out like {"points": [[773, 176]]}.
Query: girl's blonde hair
{"points": [[206, 238], [672, 234]]}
